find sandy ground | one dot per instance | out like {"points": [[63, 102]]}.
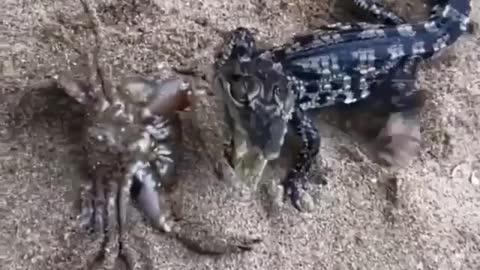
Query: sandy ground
{"points": [[432, 223]]}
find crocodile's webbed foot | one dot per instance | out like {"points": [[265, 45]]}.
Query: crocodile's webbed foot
{"points": [[295, 190]]}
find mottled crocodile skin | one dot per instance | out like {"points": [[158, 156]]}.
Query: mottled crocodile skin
{"points": [[337, 64]]}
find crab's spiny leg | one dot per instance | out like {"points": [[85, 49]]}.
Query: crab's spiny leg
{"points": [[122, 205], [105, 78], [109, 243], [101, 102], [98, 220], [85, 204]]}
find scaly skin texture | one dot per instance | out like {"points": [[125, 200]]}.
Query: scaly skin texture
{"points": [[338, 64]]}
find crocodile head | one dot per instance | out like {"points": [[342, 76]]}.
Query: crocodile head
{"points": [[257, 94]]}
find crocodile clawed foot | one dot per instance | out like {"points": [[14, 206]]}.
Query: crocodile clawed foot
{"points": [[298, 195], [399, 141]]}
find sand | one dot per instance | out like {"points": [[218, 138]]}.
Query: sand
{"points": [[432, 221]]}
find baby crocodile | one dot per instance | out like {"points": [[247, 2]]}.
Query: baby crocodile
{"points": [[267, 91]]}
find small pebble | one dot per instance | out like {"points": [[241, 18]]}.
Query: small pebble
{"points": [[202, 21], [474, 179]]}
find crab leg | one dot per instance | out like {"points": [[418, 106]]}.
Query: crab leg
{"points": [[125, 252]]}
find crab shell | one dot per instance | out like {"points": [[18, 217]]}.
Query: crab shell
{"points": [[161, 97]]}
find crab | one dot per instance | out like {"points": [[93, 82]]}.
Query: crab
{"points": [[131, 146], [130, 137]]}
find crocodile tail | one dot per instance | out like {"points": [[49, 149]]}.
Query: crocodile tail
{"points": [[454, 14], [449, 20], [442, 7]]}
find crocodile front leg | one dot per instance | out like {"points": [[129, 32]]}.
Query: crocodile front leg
{"points": [[294, 183]]}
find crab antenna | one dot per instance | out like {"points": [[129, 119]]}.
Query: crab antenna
{"points": [[96, 91], [108, 91]]}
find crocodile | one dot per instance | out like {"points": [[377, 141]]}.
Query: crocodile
{"points": [[267, 91]]}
